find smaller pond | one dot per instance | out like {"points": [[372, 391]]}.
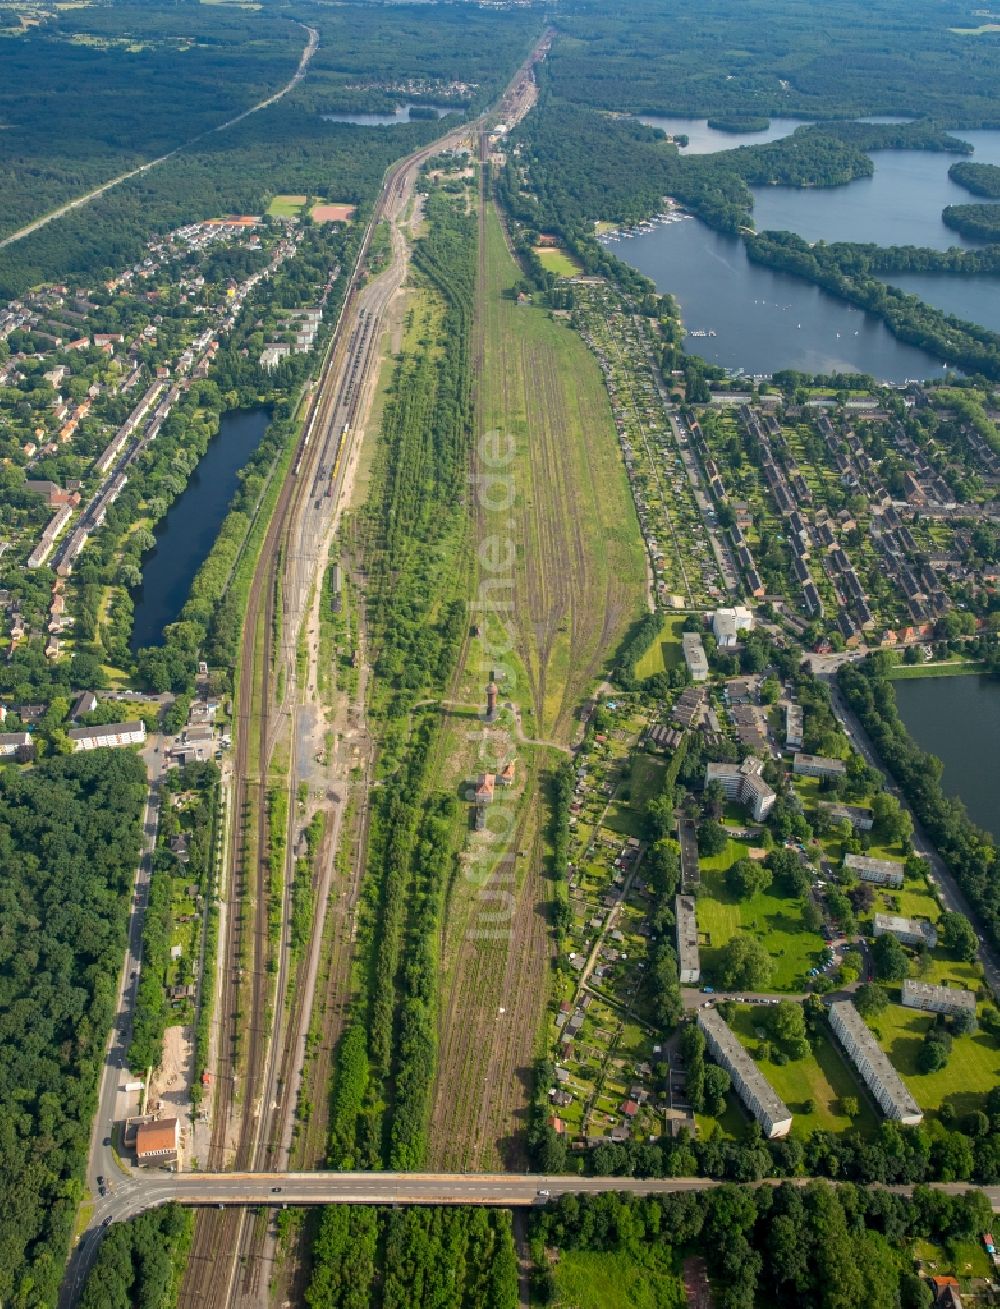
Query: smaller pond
{"points": [[958, 719], [705, 140], [402, 115], [187, 531]]}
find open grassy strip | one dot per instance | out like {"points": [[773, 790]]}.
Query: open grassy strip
{"points": [[579, 573]]}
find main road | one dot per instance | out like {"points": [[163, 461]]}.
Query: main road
{"points": [[497, 1190]]}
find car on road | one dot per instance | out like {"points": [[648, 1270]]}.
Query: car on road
{"points": [[275, 1190], [106, 1142], [107, 1221], [543, 1195]]}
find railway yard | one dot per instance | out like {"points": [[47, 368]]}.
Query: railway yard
{"points": [[638, 576]]}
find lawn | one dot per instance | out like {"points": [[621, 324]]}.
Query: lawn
{"points": [[972, 1070], [665, 651], [286, 206], [774, 919], [822, 1076], [557, 261], [588, 1279]]}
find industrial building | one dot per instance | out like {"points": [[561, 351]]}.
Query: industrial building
{"points": [[687, 940], [694, 656], [910, 931], [938, 999], [750, 1084], [881, 872], [873, 1064], [744, 784]]}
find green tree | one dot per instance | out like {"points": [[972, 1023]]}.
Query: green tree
{"points": [[958, 936], [889, 959], [747, 877], [744, 963]]}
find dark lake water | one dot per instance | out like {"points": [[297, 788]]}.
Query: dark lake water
{"points": [[958, 719], [402, 115], [764, 320], [705, 140], [974, 298], [187, 531]]}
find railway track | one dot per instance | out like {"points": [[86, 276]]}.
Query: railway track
{"points": [[248, 1115]]}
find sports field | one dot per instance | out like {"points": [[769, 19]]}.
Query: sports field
{"points": [[557, 261], [286, 206]]}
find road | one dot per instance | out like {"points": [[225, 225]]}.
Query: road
{"points": [[113, 1101], [307, 54], [498, 1190], [951, 894]]}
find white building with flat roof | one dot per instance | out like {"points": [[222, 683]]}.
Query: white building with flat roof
{"points": [[881, 872], [688, 962], [728, 623], [753, 1088], [816, 765], [938, 999], [744, 784], [911, 931], [873, 1064], [110, 735], [694, 656], [794, 726]]}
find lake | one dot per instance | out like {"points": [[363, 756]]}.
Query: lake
{"points": [[958, 719], [974, 298], [705, 140], [764, 320], [402, 115], [187, 531]]}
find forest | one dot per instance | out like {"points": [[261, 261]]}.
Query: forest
{"points": [[811, 1247], [977, 222], [69, 842], [979, 179], [141, 1262], [92, 91], [288, 148], [413, 1259], [843, 59]]}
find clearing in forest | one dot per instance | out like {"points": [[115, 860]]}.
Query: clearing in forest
{"points": [[560, 559]]}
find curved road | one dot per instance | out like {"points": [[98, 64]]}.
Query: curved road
{"points": [[82, 200]]}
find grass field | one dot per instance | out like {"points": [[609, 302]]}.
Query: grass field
{"points": [[665, 651], [822, 1076], [286, 206], [558, 261], [774, 919], [580, 570], [588, 1279], [972, 1070], [952, 668]]}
